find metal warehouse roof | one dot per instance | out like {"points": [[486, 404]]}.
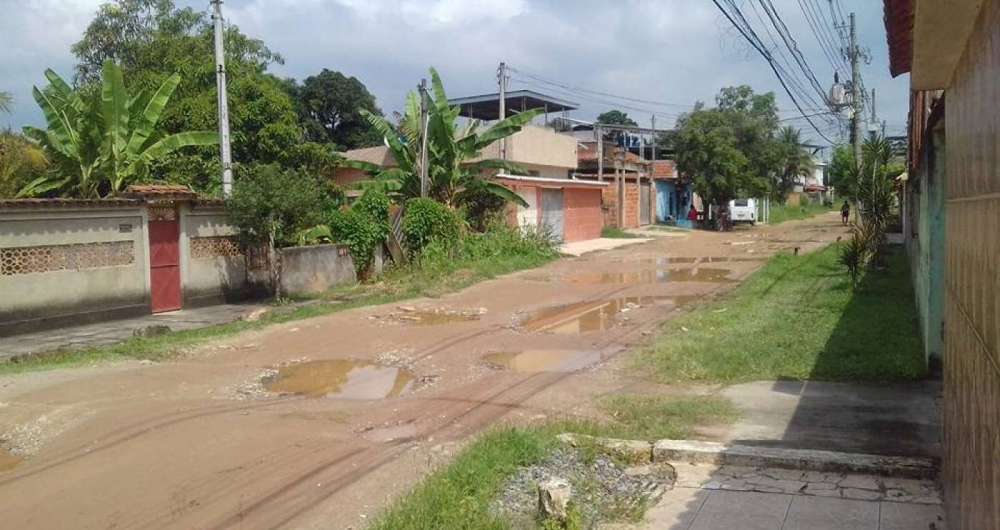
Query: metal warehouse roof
{"points": [[487, 107]]}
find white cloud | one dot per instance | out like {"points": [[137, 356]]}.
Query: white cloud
{"points": [[676, 51]]}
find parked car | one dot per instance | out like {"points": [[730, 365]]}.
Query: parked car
{"points": [[743, 211]]}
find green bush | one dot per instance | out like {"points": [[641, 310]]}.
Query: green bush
{"points": [[498, 243], [362, 228], [427, 220]]}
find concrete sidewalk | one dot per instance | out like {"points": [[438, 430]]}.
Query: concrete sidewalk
{"points": [[115, 331], [686, 508], [579, 248]]}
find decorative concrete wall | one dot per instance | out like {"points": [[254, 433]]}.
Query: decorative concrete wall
{"points": [[971, 473], [213, 267], [314, 269], [61, 263]]}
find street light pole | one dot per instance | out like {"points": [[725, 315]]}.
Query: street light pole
{"points": [[424, 122], [220, 82]]}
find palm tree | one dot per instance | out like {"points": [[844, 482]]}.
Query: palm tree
{"points": [[796, 161], [453, 178], [102, 145]]}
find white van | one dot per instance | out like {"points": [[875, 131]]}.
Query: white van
{"points": [[743, 211]]}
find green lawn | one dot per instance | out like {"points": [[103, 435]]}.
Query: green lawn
{"points": [[459, 495], [780, 213], [796, 318]]}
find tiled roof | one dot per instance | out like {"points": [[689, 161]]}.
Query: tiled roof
{"points": [[898, 17], [378, 155]]}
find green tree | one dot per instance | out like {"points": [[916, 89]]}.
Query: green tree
{"points": [[161, 40], [454, 178], [795, 162], [841, 171], [729, 150], [21, 163], [102, 145], [330, 105], [615, 117]]}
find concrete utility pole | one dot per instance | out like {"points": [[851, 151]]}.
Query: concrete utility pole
{"points": [[220, 84], [600, 152], [856, 103], [502, 80], [424, 123], [652, 126]]}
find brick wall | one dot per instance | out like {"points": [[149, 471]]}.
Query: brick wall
{"points": [[631, 204], [609, 198], [971, 471], [583, 218]]}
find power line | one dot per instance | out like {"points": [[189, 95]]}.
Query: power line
{"points": [[790, 43], [792, 80], [755, 42], [817, 26]]}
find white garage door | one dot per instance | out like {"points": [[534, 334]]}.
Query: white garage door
{"points": [[528, 217]]}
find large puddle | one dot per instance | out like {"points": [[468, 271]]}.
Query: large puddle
{"points": [[531, 361], [8, 461], [340, 378], [584, 317], [694, 274]]}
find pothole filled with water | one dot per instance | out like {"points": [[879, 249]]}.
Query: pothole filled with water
{"points": [[694, 274], [8, 461], [340, 378], [532, 361], [584, 317]]}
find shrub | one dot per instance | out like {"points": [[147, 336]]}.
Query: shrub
{"points": [[427, 220], [362, 228]]}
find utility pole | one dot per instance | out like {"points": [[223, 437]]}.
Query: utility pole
{"points": [[600, 152], [220, 85], [652, 126], [502, 80], [856, 103], [424, 123]]}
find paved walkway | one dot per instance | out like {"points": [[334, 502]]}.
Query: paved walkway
{"points": [[114, 331], [579, 248], [702, 509]]}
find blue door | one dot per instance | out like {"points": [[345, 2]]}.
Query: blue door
{"points": [[665, 201]]}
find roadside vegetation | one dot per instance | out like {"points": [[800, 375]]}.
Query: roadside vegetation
{"points": [[461, 494], [780, 213], [797, 318], [613, 232]]}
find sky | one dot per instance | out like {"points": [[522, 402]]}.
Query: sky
{"points": [[667, 53]]}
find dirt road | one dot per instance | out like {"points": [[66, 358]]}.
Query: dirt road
{"points": [[316, 423]]}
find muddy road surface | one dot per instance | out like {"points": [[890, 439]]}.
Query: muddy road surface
{"points": [[319, 423]]}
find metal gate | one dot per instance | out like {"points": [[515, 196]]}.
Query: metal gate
{"points": [[552, 212], [164, 260], [644, 205]]}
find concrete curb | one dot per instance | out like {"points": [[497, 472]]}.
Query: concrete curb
{"points": [[744, 455]]}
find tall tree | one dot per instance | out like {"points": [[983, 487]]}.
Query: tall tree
{"points": [[330, 105], [841, 171], [161, 40], [729, 150], [795, 162], [616, 117]]}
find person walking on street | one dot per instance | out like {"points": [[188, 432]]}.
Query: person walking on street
{"points": [[845, 212]]}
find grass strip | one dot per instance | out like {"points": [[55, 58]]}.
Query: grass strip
{"points": [[797, 318], [460, 494]]}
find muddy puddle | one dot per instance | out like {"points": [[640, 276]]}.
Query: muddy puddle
{"points": [[532, 361], [695, 274], [434, 317], [340, 378], [585, 317], [8, 461]]}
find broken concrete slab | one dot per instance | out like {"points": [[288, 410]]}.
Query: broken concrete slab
{"points": [[632, 452], [801, 459]]}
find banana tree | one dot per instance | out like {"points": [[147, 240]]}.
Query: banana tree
{"points": [[104, 145], [453, 176]]}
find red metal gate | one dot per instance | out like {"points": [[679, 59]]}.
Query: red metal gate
{"points": [[164, 261]]}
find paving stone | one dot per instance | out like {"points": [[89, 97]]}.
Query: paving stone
{"points": [[860, 494], [819, 476], [904, 516], [786, 486], [784, 474], [821, 489], [864, 482], [742, 510], [824, 513], [677, 509]]}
